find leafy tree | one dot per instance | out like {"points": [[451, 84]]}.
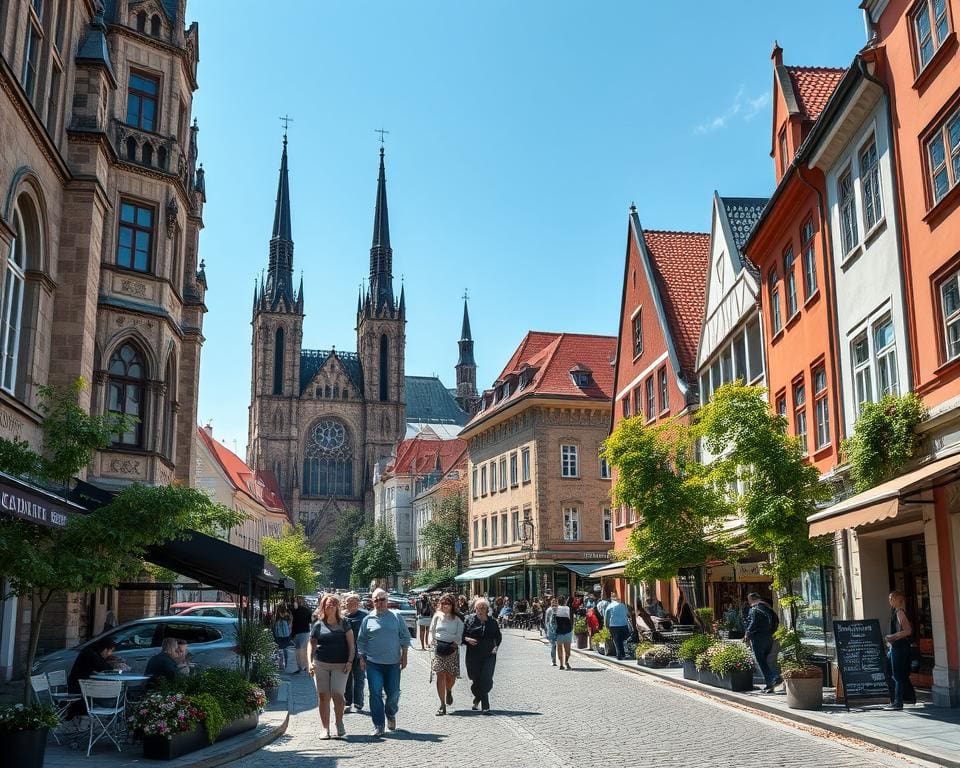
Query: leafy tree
{"points": [[679, 506], [448, 524], [884, 439], [337, 557], [295, 557], [781, 487], [377, 559], [427, 577]]}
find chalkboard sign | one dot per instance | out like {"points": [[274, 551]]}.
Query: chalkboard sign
{"points": [[861, 657]]}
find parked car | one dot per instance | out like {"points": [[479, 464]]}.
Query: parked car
{"points": [[211, 642], [401, 605], [225, 610]]}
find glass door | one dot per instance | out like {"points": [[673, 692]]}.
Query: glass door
{"points": [[907, 559]]}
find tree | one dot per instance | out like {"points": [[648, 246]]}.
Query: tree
{"points": [[377, 559], [295, 557], [782, 488], [448, 524], [338, 554], [427, 577], [680, 509]]}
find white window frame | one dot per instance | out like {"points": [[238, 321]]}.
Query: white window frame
{"points": [[809, 258], [651, 398], [800, 414], [525, 465], [483, 532], [483, 480], [847, 208], [949, 166], [821, 408], [569, 461], [888, 376], [862, 371], [870, 186], [571, 524], [514, 478], [607, 524], [503, 528], [503, 474], [11, 319], [621, 515], [494, 531], [951, 320], [515, 524], [493, 476], [475, 479], [605, 473]]}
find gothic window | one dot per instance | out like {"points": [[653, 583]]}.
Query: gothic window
{"points": [[278, 363], [384, 371], [170, 411], [155, 26], [12, 318], [328, 461], [326, 391], [125, 392], [142, 92], [336, 391], [142, 21], [135, 236]]}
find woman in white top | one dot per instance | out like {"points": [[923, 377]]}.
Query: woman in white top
{"points": [[446, 634]]}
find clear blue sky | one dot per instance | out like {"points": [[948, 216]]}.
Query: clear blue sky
{"points": [[519, 134]]}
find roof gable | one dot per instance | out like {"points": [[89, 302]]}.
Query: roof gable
{"points": [[423, 455], [261, 489], [312, 361], [813, 87]]}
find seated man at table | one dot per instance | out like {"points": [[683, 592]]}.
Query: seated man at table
{"points": [[93, 658], [165, 665], [183, 664]]}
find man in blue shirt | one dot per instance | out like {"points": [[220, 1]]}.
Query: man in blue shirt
{"points": [[616, 619], [382, 647]]}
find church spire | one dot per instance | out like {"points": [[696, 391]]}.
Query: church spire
{"points": [[281, 215], [466, 339], [466, 365], [381, 254], [279, 284]]}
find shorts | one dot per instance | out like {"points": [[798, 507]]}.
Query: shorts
{"points": [[330, 678], [424, 621], [564, 638]]}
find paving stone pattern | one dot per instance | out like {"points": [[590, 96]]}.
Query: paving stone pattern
{"points": [[592, 715]]}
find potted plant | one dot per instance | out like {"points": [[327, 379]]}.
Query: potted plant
{"points": [[642, 648], [657, 656], [602, 643], [803, 679], [705, 618], [580, 632], [732, 663], [168, 722], [23, 734], [704, 673], [688, 652]]}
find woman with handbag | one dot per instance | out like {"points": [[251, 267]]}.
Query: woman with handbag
{"points": [[481, 635], [281, 631], [446, 633]]}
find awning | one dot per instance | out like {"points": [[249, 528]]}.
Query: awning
{"points": [[26, 501], [882, 501], [581, 569], [609, 569], [485, 573], [430, 587]]}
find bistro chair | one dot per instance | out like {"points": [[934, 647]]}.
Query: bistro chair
{"points": [[105, 707], [41, 694]]}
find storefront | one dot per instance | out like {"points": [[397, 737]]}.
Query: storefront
{"points": [[728, 585]]}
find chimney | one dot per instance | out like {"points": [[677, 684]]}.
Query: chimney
{"points": [[208, 429], [777, 54]]}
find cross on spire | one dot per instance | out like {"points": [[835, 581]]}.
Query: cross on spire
{"points": [[286, 120], [465, 295], [382, 132]]}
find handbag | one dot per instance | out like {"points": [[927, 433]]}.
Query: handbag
{"points": [[444, 648]]}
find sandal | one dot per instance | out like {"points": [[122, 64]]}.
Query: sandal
{"points": [[442, 710]]}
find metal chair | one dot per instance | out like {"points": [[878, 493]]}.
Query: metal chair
{"points": [[41, 693], [63, 700], [105, 704]]}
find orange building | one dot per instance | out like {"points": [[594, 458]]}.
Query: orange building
{"points": [[655, 377], [790, 246]]}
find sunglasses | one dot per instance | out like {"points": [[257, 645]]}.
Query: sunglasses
{"points": [[379, 599]]}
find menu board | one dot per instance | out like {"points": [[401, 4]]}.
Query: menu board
{"points": [[861, 657]]}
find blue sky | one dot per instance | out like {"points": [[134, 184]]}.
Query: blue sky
{"points": [[519, 134]]}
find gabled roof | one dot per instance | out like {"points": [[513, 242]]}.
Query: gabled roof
{"points": [[812, 87], [312, 360], [422, 455], [257, 485], [742, 214], [680, 261], [428, 400]]}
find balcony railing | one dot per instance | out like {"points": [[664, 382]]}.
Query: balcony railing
{"points": [[150, 150]]}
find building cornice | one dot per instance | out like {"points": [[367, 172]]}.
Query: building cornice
{"points": [[11, 86]]}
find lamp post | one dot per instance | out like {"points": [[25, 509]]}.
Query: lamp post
{"points": [[526, 545]]}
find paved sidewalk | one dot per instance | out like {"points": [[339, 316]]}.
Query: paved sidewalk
{"points": [[924, 731], [273, 723]]}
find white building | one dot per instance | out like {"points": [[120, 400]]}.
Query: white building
{"points": [[426, 504]]}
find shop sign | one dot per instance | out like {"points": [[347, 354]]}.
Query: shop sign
{"points": [[25, 505], [594, 555], [741, 572]]}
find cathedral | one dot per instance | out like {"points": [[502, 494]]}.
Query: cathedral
{"points": [[321, 419]]}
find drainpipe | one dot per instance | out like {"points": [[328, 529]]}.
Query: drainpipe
{"points": [[894, 184]]}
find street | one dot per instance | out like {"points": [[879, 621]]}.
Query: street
{"points": [[592, 715]]}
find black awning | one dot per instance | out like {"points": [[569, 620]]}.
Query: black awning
{"points": [[218, 564], [28, 501]]}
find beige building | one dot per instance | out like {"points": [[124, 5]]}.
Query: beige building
{"points": [[539, 501], [101, 204]]}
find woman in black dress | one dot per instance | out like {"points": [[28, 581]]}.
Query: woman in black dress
{"points": [[481, 635]]}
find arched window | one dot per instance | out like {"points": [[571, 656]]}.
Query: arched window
{"points": [[142, 21], [155, 26], [278, 363], [125, 392], [384, 373], [326, 391], [162, 159], [147, 153], [14, 285], [131, 148], [328, 461]]}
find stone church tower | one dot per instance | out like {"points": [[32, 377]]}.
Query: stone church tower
{"points": [[466, 368]]}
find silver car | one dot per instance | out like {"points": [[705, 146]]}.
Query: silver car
{"points": [[211, 642]]}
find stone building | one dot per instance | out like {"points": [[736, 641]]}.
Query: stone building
{"points": [[320, 420], [539, 504], [101, 203]]}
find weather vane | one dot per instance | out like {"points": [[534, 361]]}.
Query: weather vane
{"points": [[382, 132], [465, 295]]}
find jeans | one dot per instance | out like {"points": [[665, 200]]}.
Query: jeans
{"points": [[480, 671], [353, 696], [553, 646], [383, 679], [619, 636], [899, 657], [761, 646], [301, 641]]}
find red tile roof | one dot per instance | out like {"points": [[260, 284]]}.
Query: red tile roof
{"points": [[259, 486], [447, 486], [813, 87], [422, 455], [682, 261]]}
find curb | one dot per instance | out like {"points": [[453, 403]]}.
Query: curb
{"points": [[949, 761]]}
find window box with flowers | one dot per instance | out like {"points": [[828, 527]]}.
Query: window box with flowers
{"points": [[23, 734], [690, 650]]}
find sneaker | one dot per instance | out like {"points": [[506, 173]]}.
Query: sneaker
{"points": [[377, 732], [553, 663], [476, 704], [347, 709], [358, 708], [391, 723], [341, 731], [325, 735]]}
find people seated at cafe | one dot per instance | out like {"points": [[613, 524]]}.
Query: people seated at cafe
{"points": [[94, 658], [183, 664], [165, 665]]}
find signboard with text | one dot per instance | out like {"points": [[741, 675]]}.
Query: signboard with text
{"points": [[861, 658], [25, 505]]}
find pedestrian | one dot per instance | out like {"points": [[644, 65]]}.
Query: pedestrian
{"points": [[482, 637], [383, 643], [300, 629], [900, 639], [762, 622], [424, 614], [446, 634], [564, 624], [165, 665], [601, 607], [332, 649], [463, 605], [550, 627], [282, 631], [353, 694], [617, 621]]}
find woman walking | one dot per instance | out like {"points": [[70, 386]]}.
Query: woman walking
{"points": [[424, 615], [282, 631], [564, 624], [481, 635], [332, 648], [446, 634], [900, 640], [550, 628]]}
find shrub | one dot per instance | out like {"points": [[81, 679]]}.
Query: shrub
{"points": [[730, 657], [601, 636], [693, 646], [704, 659], [213, 719], [21, 718], [794, 658], [658, 654], [705, 615], [164, 714], [580, 626], [642, 648], [230, 688]]}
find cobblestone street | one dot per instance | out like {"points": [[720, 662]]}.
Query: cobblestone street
{"points": [[592, 715]]}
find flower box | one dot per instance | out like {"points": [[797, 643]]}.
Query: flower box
{"points": [[23, 749], [707, 677], [689, 670], [734, 681], [171, 747]]}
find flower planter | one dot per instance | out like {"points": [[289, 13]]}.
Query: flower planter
{"points": [[23, 749], [689, 670], [169, 748], [707, 677], [581, 641], [738, 681], [805, 692]]}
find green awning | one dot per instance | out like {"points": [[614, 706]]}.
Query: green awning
{"points": [[485, 573], [581, 569]]}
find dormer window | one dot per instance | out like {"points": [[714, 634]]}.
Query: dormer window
{"points": [[581, 375], [506, 390]]}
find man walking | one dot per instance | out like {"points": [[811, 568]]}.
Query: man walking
{"points": [[353, 696], [382, 646], [602, 604], [617, 620], [300, 627], [762, 622]]}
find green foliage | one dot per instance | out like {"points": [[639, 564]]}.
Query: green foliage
{"points": [[580, 626], [705, 616], [213, 720], [782, 487], [254, 643], [426, 577], [642, 648], [730, 657], [229, 688], [338, 553], [601, 636], [377, 559], [679, 506], [293, 554], [656, 654], [448, 524], [794, 656], [693, 646], [884, 439], [27, 718]]}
